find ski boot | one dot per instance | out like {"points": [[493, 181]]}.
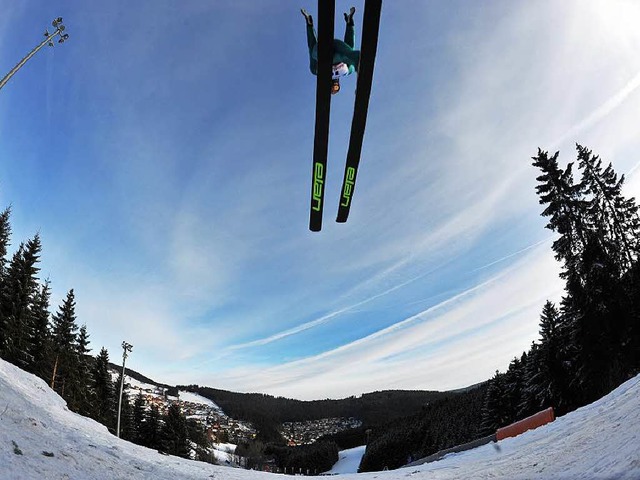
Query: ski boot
{"points": [[348, 17], [307, 17]]}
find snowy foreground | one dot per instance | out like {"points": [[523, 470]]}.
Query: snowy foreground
{"points": [[40, 438]]}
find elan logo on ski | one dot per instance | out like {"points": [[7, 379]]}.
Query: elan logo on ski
{"points": [[318, 183], [349, 181]]}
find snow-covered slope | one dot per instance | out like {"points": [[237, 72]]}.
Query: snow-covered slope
{"points": [[224, 453], [349, 461], [134, 386], [40, 438], [195, 398]]}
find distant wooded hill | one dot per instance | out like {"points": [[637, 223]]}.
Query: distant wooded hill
{"points": [[372, 408], [267, 412], [137, 376]]}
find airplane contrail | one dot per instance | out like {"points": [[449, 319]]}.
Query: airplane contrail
{"points": [[602, 111]]}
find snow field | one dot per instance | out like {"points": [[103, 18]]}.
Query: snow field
{"points": [[40, 438]]}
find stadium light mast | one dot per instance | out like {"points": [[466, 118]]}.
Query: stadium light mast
{"points": [[48, 40], [126, 350]]}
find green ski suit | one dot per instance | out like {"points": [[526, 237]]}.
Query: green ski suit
{"points": [[343, 51]]}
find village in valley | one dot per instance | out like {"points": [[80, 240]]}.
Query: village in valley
{"points": [[220, 428], [307, 432]]}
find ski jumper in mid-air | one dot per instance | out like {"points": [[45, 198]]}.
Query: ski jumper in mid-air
{"points": [[330, 59], [345, 57]]}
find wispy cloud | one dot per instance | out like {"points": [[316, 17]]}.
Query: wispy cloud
{"points": [[354, 306], [326, 318], [505, 301], [514, 254], [601, 112]]}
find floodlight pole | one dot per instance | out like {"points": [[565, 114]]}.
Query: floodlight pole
{"points": [[126, 349], [59, 28]]}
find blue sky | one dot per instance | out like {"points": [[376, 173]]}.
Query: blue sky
{"points": [[164, 156]]}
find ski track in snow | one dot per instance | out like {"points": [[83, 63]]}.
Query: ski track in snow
{"points": [[195, 398], [349, 461], [599, 441]]}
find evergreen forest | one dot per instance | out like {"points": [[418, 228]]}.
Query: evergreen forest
{"points": [[589, 340], [55, 347], [589, 343]]}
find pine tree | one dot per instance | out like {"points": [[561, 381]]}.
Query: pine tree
{"points": [[198, 437], [566, 209], [174, 432], [18, 294], [65, 333], [547, 375], [619, 231], [138, 419], [514, 383], [632, 345], [612, 215], [151, 431], [597, 334], [532, 383], [41, 347], [102, 385], [598, 246], [5, 237], [496, 410], [83, 393]]}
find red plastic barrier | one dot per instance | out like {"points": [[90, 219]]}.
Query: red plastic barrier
{"points": [[529, 423]]}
